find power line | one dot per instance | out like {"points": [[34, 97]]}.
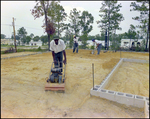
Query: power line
{"points": [[7, 24], [17, 18], [10, 30], [6, 16], [22, 26], [28, 27]]}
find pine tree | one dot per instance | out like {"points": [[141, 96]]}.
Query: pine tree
{"points": [[143, 8], [74, 21], [86, 21], [60, 17], [110, 17]]}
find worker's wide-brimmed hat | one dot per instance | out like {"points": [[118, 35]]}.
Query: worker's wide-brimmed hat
{"points": [[74, 35], [55, 37]]}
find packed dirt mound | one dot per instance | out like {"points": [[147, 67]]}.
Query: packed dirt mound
{"points": [[23, 81]]}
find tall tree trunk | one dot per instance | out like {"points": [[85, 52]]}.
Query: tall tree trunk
{"points": [[108, 27], [130, 43], [47, 33], [106, 39], [58, 29], [75, 29], [46, 25], [147, 38], [116, 42], [48, 41]]}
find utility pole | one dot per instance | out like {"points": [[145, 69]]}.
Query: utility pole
{"points": [[14, 34]]}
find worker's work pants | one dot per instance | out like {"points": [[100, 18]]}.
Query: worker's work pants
{"points": [[59, 60], [99, 49], [75, 47]]}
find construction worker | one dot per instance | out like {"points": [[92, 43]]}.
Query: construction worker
{"points": [[57, 46], [98, 45], [75, 45]]}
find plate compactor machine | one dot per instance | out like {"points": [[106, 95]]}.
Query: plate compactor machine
{"points": [[56, 80]]}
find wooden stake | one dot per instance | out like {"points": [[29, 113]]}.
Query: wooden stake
{"points": [[93, 74], [120, 52]]}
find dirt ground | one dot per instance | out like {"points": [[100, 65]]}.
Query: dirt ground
{"points": [[16, 54], [137, 74], [23, 81]]}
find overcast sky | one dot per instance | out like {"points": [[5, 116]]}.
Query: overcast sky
{"points": [[20, 10]]}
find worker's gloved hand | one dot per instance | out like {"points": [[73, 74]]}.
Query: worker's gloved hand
{"points": [[65, 62]]}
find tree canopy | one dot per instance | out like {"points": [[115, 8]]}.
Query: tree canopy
{"points": [[3, 36], [143, 8], [110, 17]]}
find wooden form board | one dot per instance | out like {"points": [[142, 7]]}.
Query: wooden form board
{"points": [[55, 86]]}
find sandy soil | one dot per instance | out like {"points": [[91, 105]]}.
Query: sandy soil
{"points": [[16, 54], [23, 81], [137, 74], [3, 49]]}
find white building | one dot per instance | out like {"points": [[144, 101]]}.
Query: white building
{"points": [[90, 42], [11, 42], [127, 43], [35, 43]]}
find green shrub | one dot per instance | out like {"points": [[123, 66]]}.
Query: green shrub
{"points": [[92, 47], [39, 48]]}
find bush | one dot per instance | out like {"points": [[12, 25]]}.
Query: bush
{"points": [[39, 48], [27, 50], [137, 49], [20, 50], [92, 47]]}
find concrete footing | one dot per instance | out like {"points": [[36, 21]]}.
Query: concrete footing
{"points": [[119, 97], [146, 109]]}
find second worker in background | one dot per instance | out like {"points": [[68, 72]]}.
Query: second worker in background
{"points": [[98, 46], [75, 43]]}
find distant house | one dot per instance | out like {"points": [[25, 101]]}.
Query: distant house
{"points": [[8, 41], [5, 41], [35, 43], [127, 43], [12, 42]]}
